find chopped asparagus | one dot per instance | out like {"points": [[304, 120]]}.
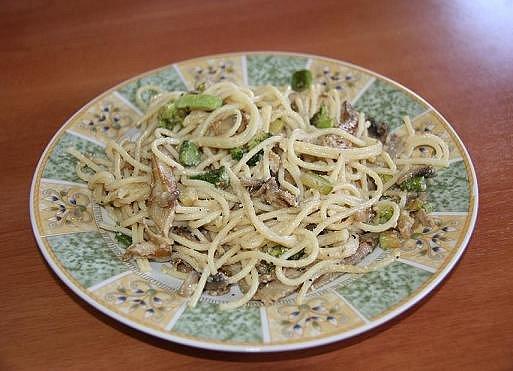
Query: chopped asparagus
{"points": [[123, 239], [321, 119], [301, 80], [414, 184], [202, 102], [218, 177], [169, 116], [276, 126], [318, 182], [237, 153], [189, 154]]}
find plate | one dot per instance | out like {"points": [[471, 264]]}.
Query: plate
{"points": [[64, 219]]}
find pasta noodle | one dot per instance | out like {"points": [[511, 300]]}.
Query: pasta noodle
{"points": [[297, 202]]}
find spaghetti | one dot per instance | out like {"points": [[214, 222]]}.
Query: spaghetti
{"points": [[249, 191]]}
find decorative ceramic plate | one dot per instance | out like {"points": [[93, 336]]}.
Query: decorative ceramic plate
{"points": [[87, 259]]}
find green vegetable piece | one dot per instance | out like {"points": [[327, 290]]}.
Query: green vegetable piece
{"points": [[414, 184], [123, 239], [255, 158], [277, 251], [389, 240], [385, 177], [218, 177], [169, 116], [384, 214], [189, 154], [301, 80], [276, 126], [264, 267], [202, 102], [257, 139], [297, 256], [321, 119], [237, 153], [320, 183]]}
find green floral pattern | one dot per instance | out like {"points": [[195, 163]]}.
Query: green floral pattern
{"points": [[168, 79], [384, 102], [449, 190], [61, 165], [208, 321], [272, 69], [86, 257], [376, 291]]}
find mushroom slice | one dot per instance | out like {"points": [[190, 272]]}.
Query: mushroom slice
{"points": [[164, 193], [148, 250]]}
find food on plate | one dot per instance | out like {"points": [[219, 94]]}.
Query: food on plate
{"points": [[272, 189]]}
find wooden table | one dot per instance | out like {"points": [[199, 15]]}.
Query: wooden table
{"points": [[55, 56]]}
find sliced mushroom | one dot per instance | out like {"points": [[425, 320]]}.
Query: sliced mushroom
{"points": [[365, 247], [378, 130], [362, 216], [274, 162], [394, 145], [270, 191], [222, 126], [157, 239], [252, 184], [424, 219], [425, 171], [334, 141], [189, 284], [348, 118], [265, 271], [184, 232], [217, 284], [273, 291], [149, 250], [164, 193], [405, 224]]}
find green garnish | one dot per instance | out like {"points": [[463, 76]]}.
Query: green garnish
{"points": [[389, 240], [255, 158], [276, 126], [385, 177], [169, 116], [276, 251], [322, 119], [189, 154], [301, 80], [264, 267], [202, 102], [297, 256], [123, 239], [318, 182], [279, 250], [218, 177], [414, 184], [384, 214], [257, 139], [237, 153]]}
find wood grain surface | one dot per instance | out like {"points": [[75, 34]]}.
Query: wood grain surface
{"points": [[57, 55]]}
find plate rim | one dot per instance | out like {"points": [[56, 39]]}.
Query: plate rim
{"points": [[220, 346]]}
